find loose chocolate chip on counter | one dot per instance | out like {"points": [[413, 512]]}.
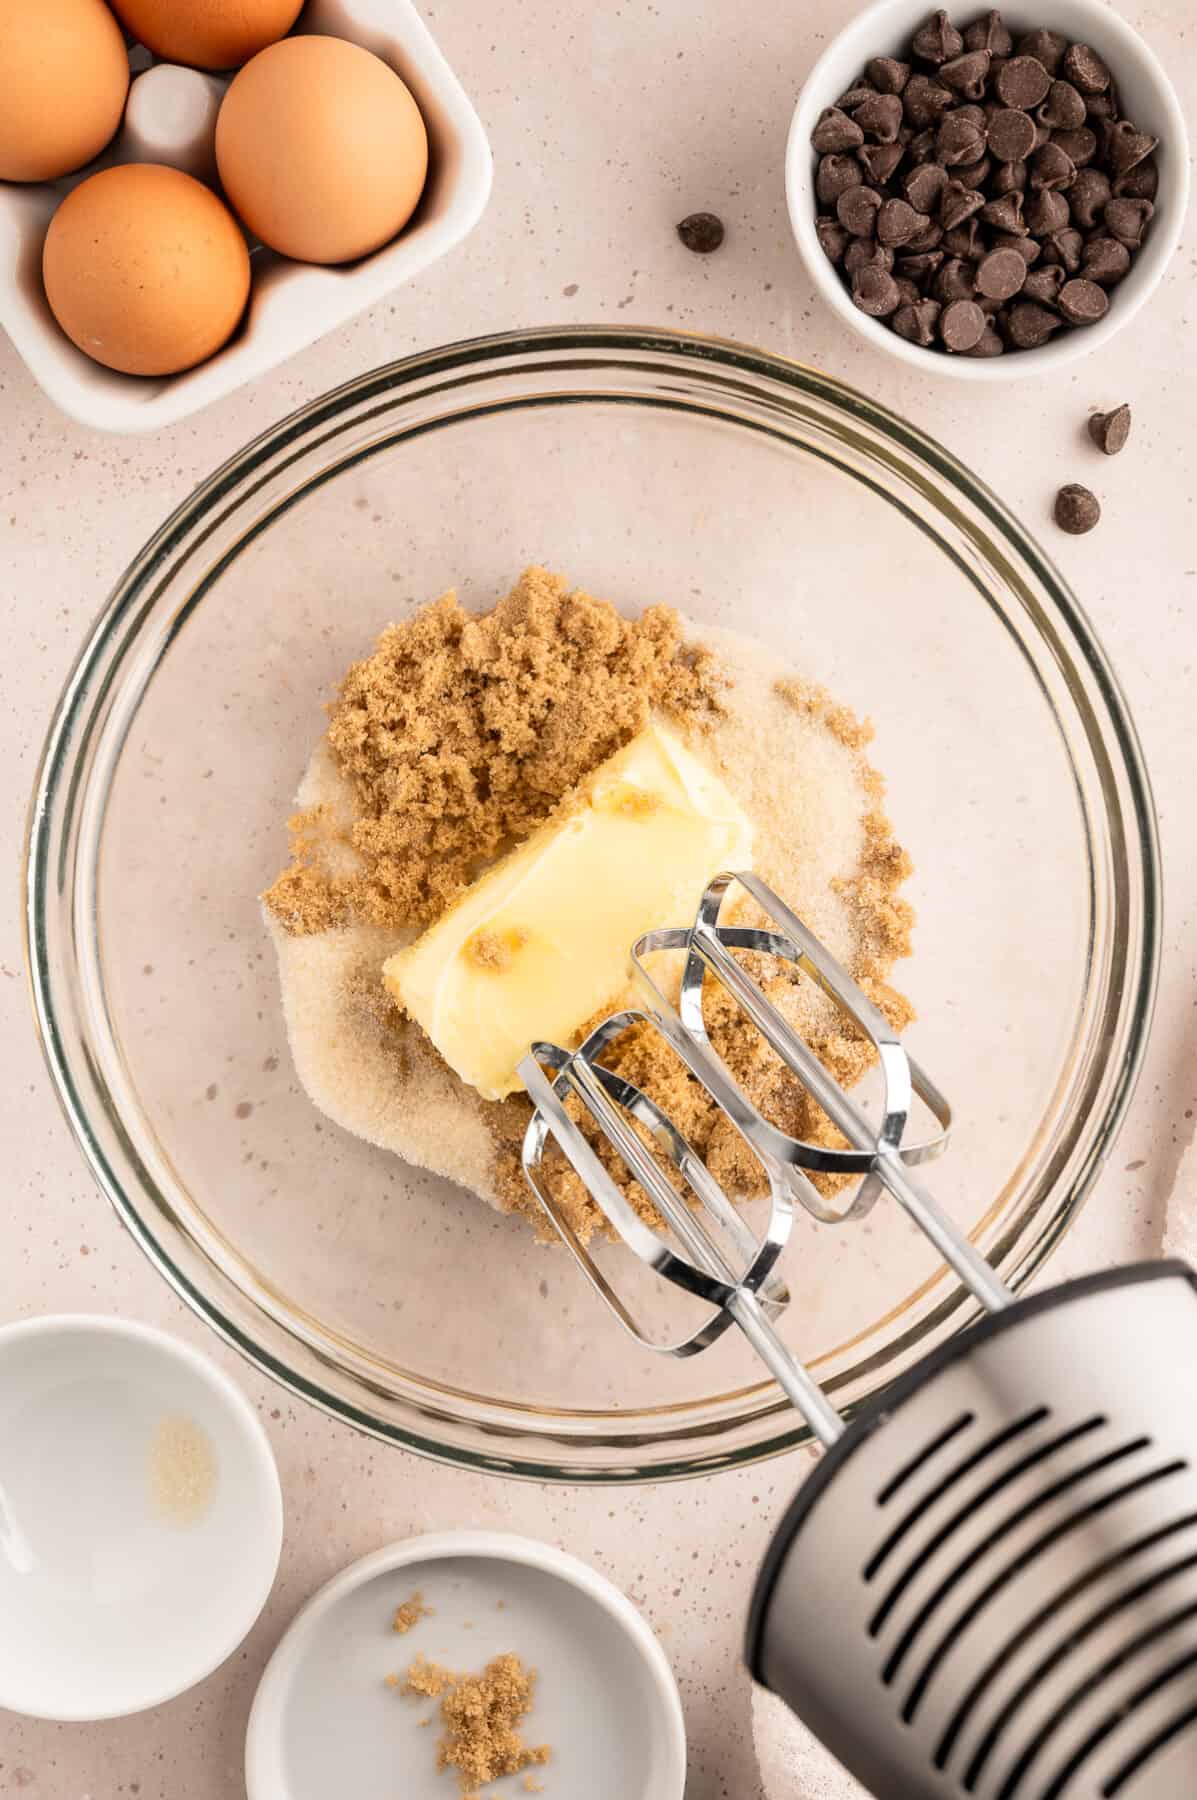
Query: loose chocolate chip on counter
{"points": [[1030, 325], [1083, 302], [1043, 285], [937, 40], [958, 141], [876, 292], [836, 131], [1105, 260], [833, 239], [867, 253], [962, 325], [989, 34], [1047, 47], [967, 74], [1110, 430], [917, 323], [1052, 168], [1126, 220], [857, 209], [834, 175], [958, 203], [1023, 83], [879, 161], [1139, 183], [923, 186], [880, 117], [701, 232], [1005, 214], [1126, 146], [897, 222], [924, 101], [1080, 146], [1011, 134], [1085, 69], [1000, 275], [1076, 510], [1063, 110], [887, 74], [1010, 178], [1047, 211]]}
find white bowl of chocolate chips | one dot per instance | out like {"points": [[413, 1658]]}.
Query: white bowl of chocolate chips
{"points": [[967, 187]]}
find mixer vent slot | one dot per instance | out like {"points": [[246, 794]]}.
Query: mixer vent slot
{"points": [[923, 1457], [957, 1473], [1145, 1752], [1067, 1645], [1162, 1679]]}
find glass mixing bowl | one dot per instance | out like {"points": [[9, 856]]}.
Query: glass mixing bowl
{"points": [[749, 492]]}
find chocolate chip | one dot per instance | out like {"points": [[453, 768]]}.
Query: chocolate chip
{"points": [[835, 131], [1051, 168], [1087, 197], [925, 101], [1043, 285], [1083, 302], [1011, 134], [834, 175], [920, 267], [1047, 47], [928, 238], [1127, 219], [1047, 211], [917, 323], [1076, 510], [1023, 82], [958, 203], [897, 222], [961, 325], [975, 174], [1029, 325], [833, 239], [954, 280], [1085, 69], [958, 141], [1064, 108], [701, 232], [1105, 261], [876, 292], [879, 161], [1001, 274], [857, 209], [867, 253], [1126, 146], [887, 74], [1011, 177], [966, 240], [1139, 183], [920, 147], [1064, 247], [856, 96], [1080, 146], [1027, 247], [909, 292], [880, 117], [988, 344], [937, 39], [923, 186], [988, 34], [967, 74], [1110, 430]]}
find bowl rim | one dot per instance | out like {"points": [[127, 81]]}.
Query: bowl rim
{"points": [[250, 1432], [263, 1734], [889, 18], [60, 790]]}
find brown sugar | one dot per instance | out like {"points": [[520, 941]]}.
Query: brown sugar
{"points": [[481, 1715], [409, 1613]]}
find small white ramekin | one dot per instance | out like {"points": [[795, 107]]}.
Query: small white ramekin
{"points": [[292, 304], [1147, 97]]}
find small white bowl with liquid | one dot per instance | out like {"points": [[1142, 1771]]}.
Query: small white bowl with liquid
{"points": [[141, 1518]]}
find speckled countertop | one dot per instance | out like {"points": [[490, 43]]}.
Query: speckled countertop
{"points": [[607, 126]]}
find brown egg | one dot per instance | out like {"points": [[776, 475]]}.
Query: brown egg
{"points": [[145, 269], [208, 34], [321, 149], [64, 74]]}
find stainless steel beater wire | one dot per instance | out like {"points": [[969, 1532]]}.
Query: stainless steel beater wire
{"points": [[799, 1387], [955, 1249]]}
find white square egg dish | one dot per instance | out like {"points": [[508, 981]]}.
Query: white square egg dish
{"points": [[291, 304]]}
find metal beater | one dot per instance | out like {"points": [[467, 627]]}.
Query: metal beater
{"points": [[988, 1586]]}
